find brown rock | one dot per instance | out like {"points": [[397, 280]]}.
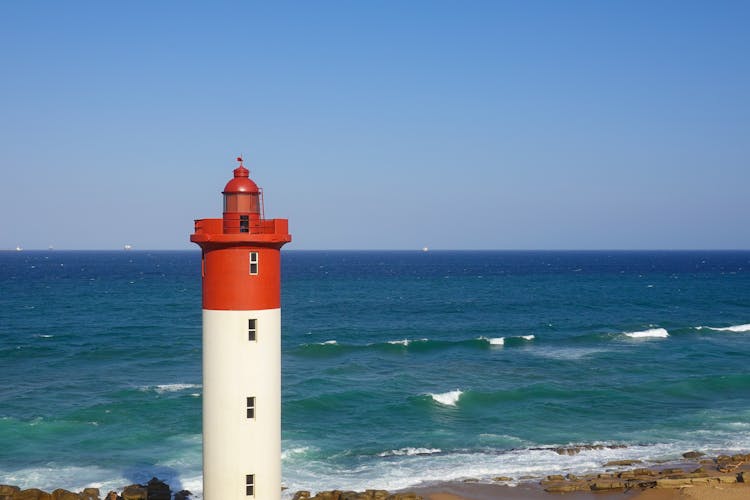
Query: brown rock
{"points": [[135, 492], [89, 494], [112, 496], [328, 495], [7, 491], [158, 490], [32, 494], [555, 477], [377, 494], [502, 479], [607, 484], [727, 479], [668, 472], [618, 463], [301, 495], [672, 483], [404, 496], [692, 454], [61, 494]]}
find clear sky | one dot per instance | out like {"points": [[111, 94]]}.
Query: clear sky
{"points": [[379, 124]]}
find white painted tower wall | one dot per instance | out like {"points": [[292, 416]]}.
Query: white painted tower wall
{"points": [[235, 368]]}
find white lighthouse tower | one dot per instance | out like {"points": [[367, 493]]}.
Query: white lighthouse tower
{"points": [[241, 273]]}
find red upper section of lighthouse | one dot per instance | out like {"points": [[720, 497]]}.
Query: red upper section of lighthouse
{"points": [[241, 182], [241, 265]]}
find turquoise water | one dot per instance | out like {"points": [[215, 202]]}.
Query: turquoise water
{"points": [[398, 367]]}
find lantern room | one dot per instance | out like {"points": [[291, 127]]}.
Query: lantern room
{"points": [[243, 203]]}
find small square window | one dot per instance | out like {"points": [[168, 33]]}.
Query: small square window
{"points": [[244, 224], [251, 329], [250, 485], [251, 407], [253, 262]]}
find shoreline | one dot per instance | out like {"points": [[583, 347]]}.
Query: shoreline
{"points": [[695, 476]]}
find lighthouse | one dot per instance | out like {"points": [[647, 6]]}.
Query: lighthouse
{"points": [[241, 275]]}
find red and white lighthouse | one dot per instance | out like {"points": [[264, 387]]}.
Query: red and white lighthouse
{"points": [[241, 272]]}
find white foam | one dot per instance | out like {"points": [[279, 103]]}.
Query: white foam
{"points": [[528, 337], [400, 471], [494, 341], [660, 333], [328, 342], [409, 451], [736, 329], [163, 388], [292, 452], [449, 398], [404, 342]]}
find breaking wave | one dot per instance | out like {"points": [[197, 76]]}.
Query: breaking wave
{"points": [[659, 333], [736, 328], [449, 398]]}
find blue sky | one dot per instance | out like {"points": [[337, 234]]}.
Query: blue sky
{"points": [[379, 125]]}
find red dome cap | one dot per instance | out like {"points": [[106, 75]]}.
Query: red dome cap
{"points": [[241, 182]]}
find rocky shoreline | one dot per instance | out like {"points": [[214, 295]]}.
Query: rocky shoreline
{"points": [[695, 470], [153, 490]]}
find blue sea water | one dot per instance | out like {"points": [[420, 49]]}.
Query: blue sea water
{"points": [[398, 367]]}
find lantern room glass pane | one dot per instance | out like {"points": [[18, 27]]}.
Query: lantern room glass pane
{"points": [[242, 202]]}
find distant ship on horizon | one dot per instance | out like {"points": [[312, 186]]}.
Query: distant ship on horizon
{"points": [[127, 247]]}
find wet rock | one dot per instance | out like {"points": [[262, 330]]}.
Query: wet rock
{"points": [[185, 495], [301, 495], [619, 463], [692, 455], [502, 479], [555, 477], [135, 492], [112, 496], [158, 490], [89, 494]]}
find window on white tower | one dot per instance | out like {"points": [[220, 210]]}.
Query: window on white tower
{"points": [[253, 262], [251, 407], [250, 485], [252, 329]]}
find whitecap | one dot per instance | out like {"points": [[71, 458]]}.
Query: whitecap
{"points": [[404, 342], [494, 341], [528, 337], [736, 328], [409, 451], [449, 398], [163, 388], [328, 342], [650, 333]]}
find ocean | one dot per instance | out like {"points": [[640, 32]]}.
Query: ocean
{"points": [[399, 367]]}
